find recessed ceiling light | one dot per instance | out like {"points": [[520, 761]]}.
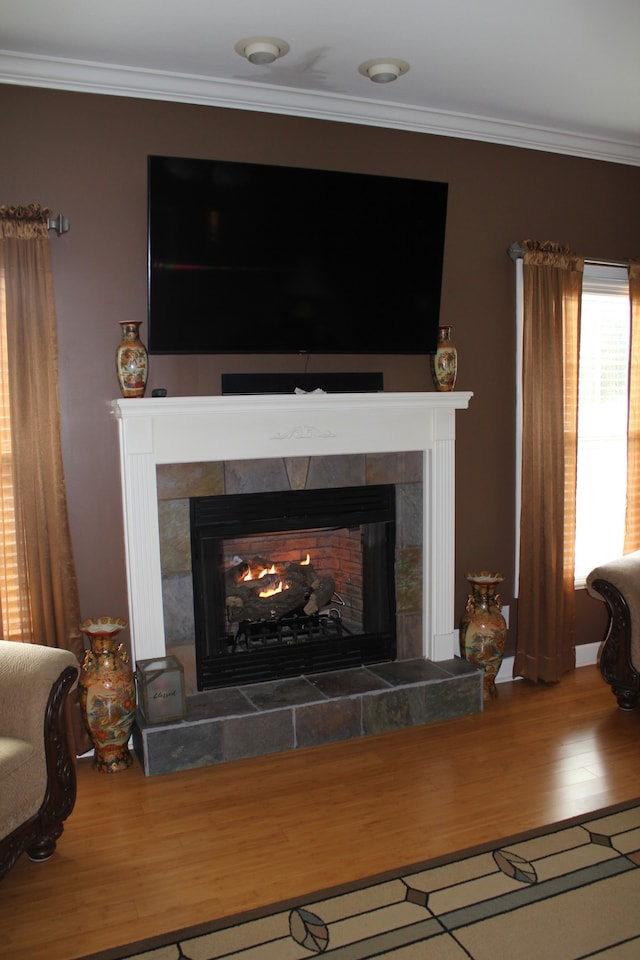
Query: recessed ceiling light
{"points": [[383, 69], [261, 50]]}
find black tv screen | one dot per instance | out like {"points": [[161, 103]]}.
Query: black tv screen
{"points": [[254, 258]]}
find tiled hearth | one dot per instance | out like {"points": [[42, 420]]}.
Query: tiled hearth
{"points": [[263, 718]]}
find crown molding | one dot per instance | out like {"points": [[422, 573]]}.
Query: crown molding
{"points": [[112, 80]]}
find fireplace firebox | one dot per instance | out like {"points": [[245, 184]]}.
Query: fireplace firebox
{"points": [[292, 583]]}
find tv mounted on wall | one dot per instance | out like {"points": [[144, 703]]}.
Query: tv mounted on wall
{"points": [[255, 258]]}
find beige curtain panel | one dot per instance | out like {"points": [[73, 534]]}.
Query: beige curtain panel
{"points": [[552, 289], [46, 577]]}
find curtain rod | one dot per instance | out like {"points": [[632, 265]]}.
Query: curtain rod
{"points": [[516, 252], [60, 224]]}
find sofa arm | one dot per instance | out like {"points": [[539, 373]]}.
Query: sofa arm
{"points": [[27, 674], [618, 584], [38, 789]]}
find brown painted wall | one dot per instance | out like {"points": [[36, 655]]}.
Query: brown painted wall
{"points": [[85, 155]]}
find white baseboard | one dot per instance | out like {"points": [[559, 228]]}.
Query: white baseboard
{"points": [[586, 655]]}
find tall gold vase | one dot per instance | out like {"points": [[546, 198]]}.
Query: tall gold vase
{"points": [[108, 694], [483, 629]]}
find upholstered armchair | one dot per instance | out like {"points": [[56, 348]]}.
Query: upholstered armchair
{"points": [[618, 584], [37, 760]]}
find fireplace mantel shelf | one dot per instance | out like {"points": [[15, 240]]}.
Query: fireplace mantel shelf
{"points": [[216, 429], [172, 406]]}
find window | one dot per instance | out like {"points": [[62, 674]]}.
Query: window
{"points": [[602, 417]]}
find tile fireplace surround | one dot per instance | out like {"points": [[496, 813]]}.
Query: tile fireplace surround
{"points": [[197, 430]]}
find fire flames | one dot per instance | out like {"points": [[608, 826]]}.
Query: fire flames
{"points": [[278, 588], [271, 591], [260, 588], [263, 573]]}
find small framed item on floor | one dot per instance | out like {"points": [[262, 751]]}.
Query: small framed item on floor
{"points": [[161, 689]]}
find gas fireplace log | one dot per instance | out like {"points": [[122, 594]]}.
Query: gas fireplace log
{"points": [[300, 587], [245, 593], [258, 573], [245, 604], [321, 596], [279, 605], [243, 568], [256, 569]]}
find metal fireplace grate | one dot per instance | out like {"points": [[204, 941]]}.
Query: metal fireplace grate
{"points": [[286, 631]]}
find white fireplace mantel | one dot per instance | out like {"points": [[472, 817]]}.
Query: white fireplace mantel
{"points": [[207, 429]]}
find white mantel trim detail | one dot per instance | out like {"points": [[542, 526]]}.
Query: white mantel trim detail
{"points": [[208, 429]]}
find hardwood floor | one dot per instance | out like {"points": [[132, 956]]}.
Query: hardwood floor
{"points": [[141, 856]]}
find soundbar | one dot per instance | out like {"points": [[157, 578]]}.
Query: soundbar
{"points": [[237, 384]]}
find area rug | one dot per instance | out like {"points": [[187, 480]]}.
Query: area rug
{"points": [[568, 891]]}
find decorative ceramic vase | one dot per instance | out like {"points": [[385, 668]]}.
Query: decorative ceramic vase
{"points": [[108, 694], [444, 363], [483, 629], [132, 362]]}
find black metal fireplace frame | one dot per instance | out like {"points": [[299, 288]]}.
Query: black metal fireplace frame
{"points": [[218, 518]]}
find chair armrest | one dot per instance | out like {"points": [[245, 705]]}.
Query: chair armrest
{"points": [[27, 674], [618, 584], [624, 574]]}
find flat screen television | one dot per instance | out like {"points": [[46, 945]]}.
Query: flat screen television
{"points": [[257, 258]]}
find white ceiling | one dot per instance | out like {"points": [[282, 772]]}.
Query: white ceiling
{"points": [[558, 75]]}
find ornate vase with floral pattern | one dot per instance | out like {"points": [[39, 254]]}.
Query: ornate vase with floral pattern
{"points": [[483, 629], [132, 361], [444, 363], [108, 694]]}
